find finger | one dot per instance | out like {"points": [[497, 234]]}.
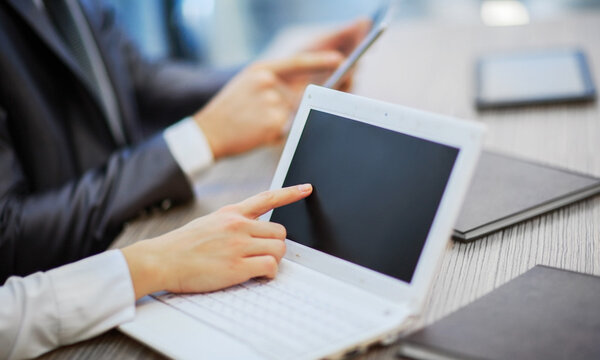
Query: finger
{"points": [[347, 81], [346, 85], [259, 247], [268, 230], [259, 204], [277, 92], [288, 96], [305, 62], [264, 265], [345, 39], [299, 81]]}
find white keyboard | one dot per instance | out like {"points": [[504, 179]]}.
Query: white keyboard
{"points": [[281, 318]]}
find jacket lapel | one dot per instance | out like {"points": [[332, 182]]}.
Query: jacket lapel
{"points": [[44, 29]]}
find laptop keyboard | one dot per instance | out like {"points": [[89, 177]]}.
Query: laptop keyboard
{"points": [[280, 318]]}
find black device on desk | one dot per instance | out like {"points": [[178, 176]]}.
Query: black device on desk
{"points": [[534, 77], [507, 190], [546, 313]]}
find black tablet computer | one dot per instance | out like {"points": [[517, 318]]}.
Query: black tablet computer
{"points": [[544, 76]]}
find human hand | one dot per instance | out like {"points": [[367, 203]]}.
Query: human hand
{"points": [[253, 108], [343, 41], [216, 251]]}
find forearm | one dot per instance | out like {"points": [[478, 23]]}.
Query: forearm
{"points": [[147, 271], [168, 91], [82, 217], [65, 305]]}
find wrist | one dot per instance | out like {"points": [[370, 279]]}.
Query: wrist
{"points": [[144, 268], [202, 120]]}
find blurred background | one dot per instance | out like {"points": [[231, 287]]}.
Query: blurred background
{"points": [[226, 33]]}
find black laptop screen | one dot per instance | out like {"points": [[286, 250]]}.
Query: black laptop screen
{"points": [[376, 192]]}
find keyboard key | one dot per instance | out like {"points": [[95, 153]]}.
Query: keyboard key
{"points": [[280, 318]]}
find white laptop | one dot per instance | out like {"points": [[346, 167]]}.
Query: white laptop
{"points": [[362, 250]]}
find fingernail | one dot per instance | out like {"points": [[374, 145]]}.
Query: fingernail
{"points": [[304, 188], [335, 56]]}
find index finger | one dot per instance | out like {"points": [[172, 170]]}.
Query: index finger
{"points": [[345, 39], [306, 62], [257, 205]]}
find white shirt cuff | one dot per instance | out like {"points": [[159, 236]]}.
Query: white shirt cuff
{"points": [[189, 147], [92, 295]]}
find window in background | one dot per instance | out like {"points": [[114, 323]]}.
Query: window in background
{"points": [[232, 32], [223, 32], [215, 32], [145, 23]]}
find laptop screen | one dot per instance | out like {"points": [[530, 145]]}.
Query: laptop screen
{"points": [[376, 192]]}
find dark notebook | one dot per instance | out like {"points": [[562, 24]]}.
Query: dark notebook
{"points": [[545, 313], [506, 190]]}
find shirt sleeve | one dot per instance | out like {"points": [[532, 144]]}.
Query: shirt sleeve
{"points": [[189, 147], [71, 303]]}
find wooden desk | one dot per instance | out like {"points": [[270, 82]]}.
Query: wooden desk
{"points": [[430, 66]]}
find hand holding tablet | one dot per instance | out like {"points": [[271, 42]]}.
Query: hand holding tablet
{"points": [[380, 22]]}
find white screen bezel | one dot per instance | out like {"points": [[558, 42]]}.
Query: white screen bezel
{"points": [[466, 136]]}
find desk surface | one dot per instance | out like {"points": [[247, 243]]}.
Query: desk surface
{"points": [[430, 66]]}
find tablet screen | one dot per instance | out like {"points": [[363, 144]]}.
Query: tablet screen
{"points": [[376, 192]]}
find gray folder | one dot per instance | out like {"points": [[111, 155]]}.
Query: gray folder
{"points": [[506, 190], [545, 313]]}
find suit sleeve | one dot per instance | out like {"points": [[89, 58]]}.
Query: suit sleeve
{"points": [[171, 90], [43, 230], [165, 90], [72, 303]]}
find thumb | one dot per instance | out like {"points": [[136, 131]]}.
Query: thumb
{"points": [[345, 39], [306, 62]]}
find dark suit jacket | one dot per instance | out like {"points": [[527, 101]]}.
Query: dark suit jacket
{"points": [[66, 188]]}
